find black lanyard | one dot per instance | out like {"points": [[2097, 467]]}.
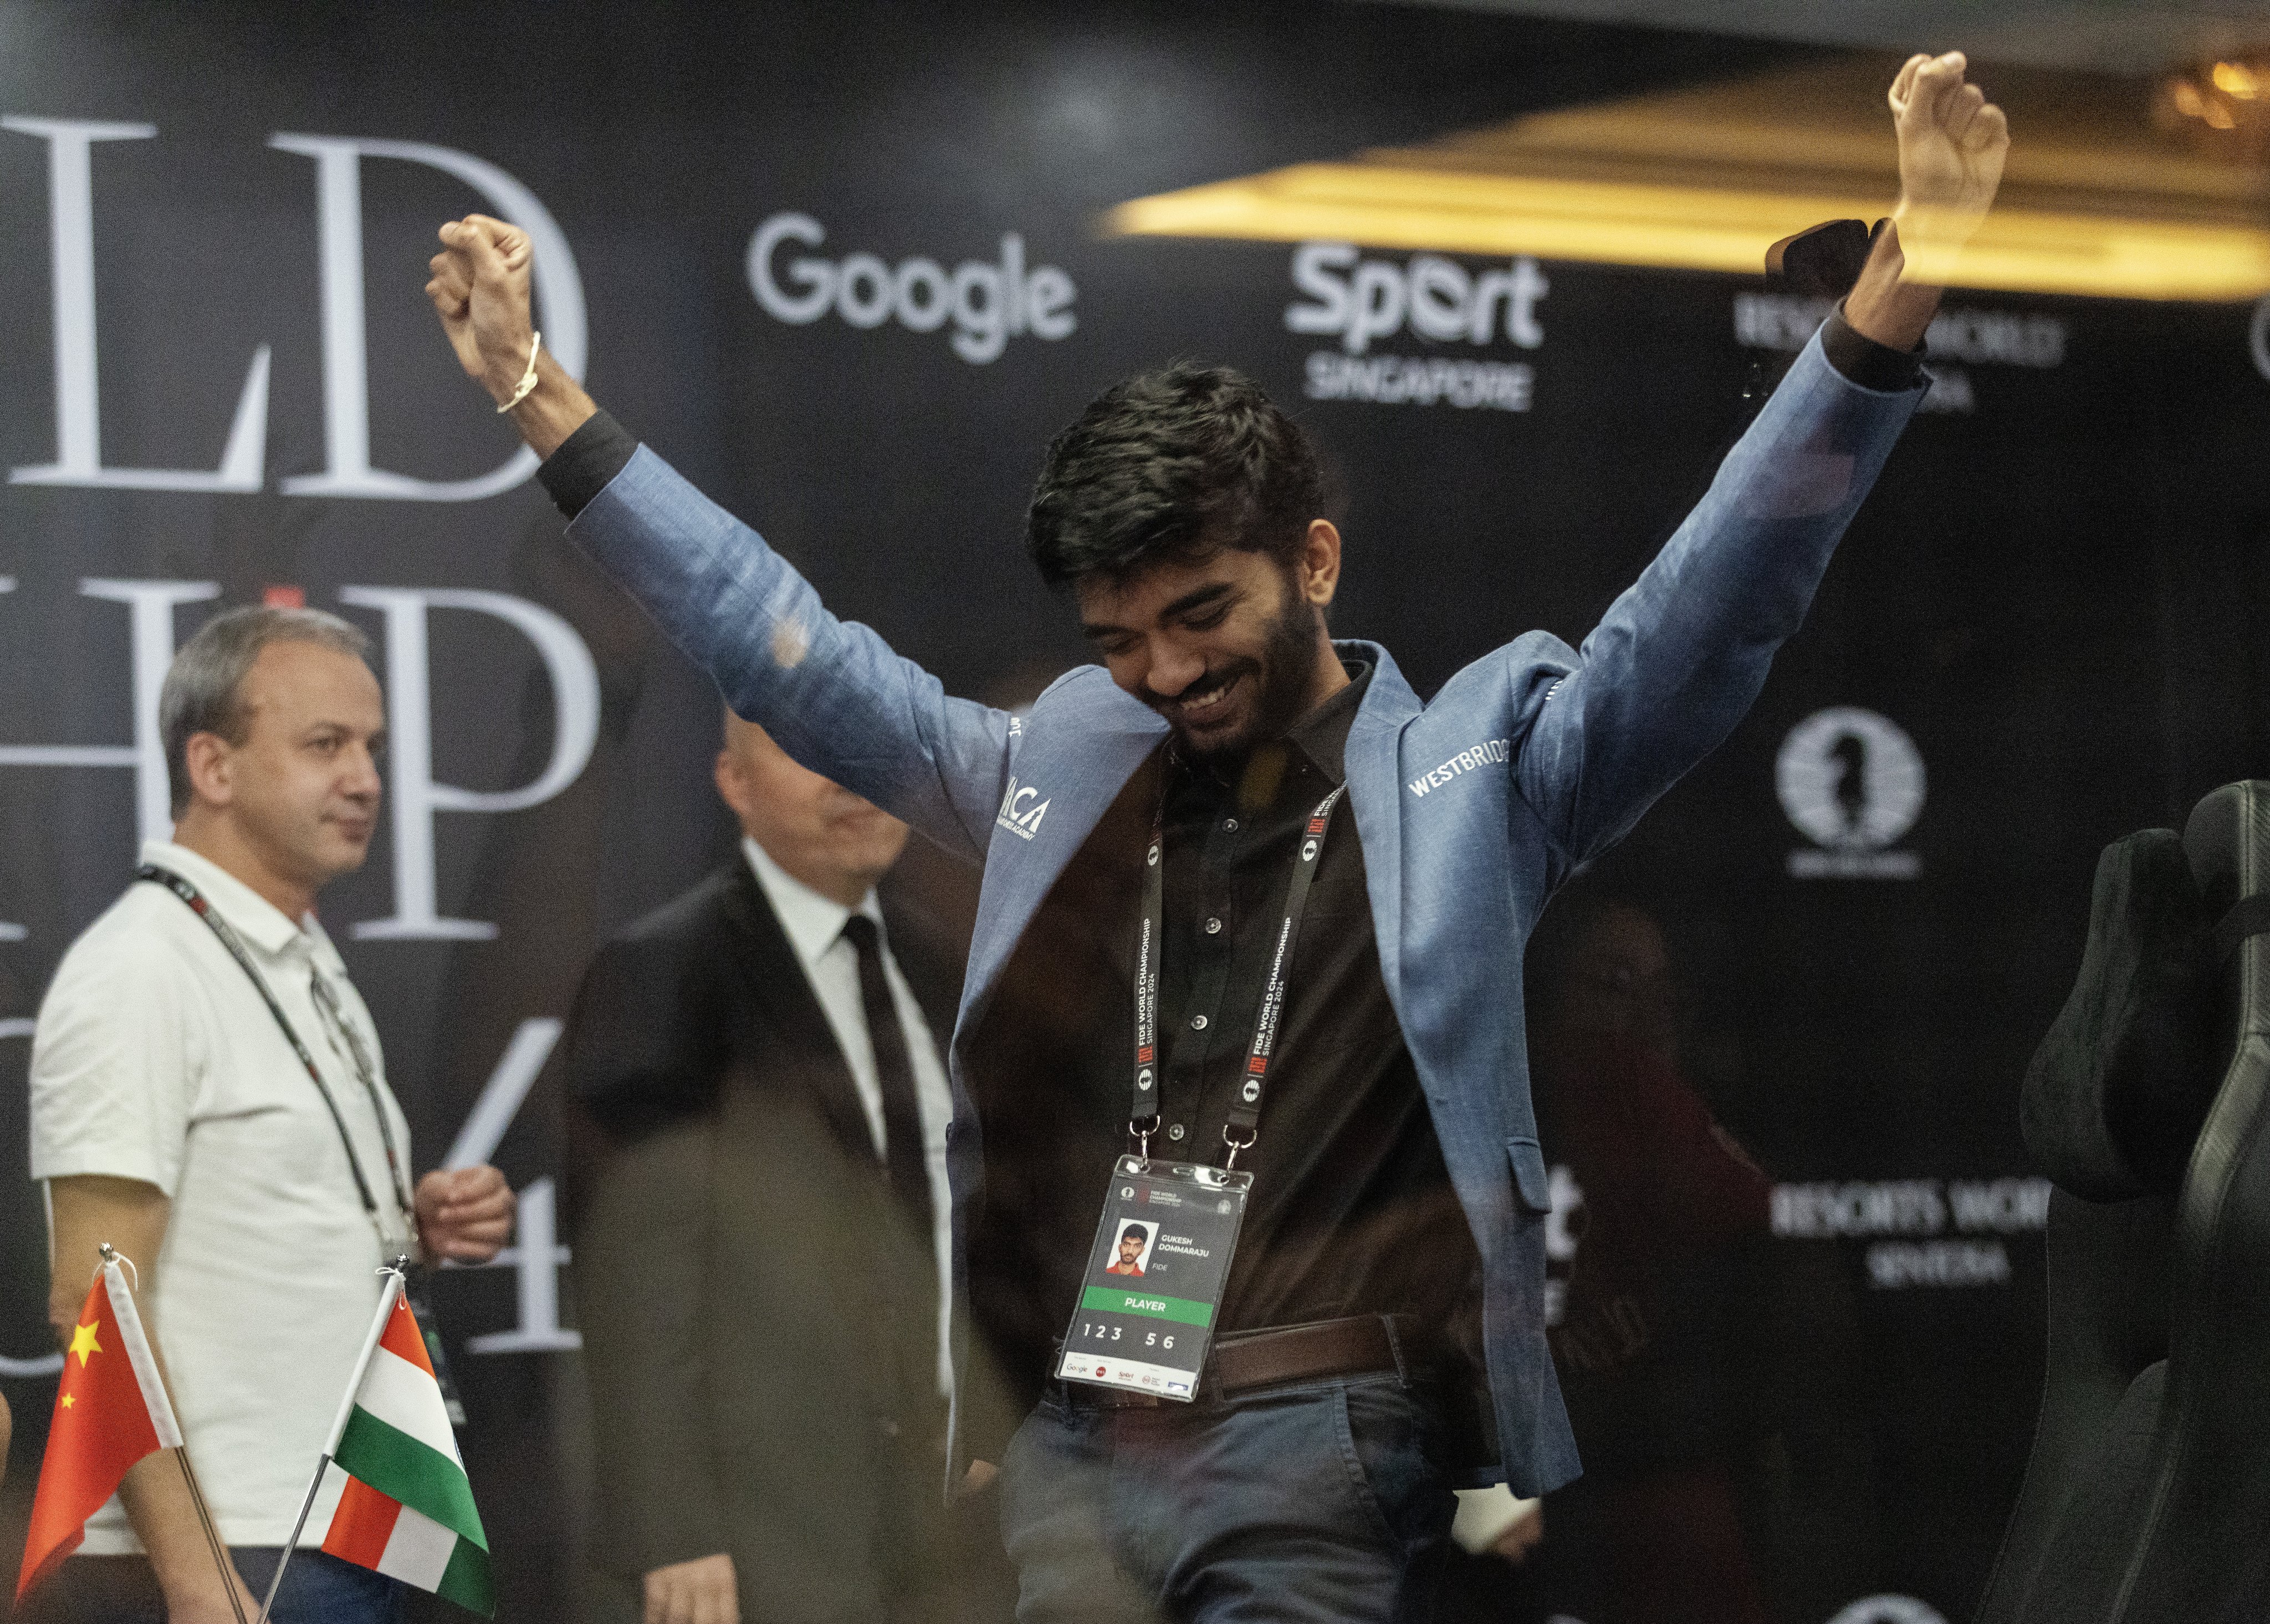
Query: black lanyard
{"points": [[1245, 1123], [228, 938]]}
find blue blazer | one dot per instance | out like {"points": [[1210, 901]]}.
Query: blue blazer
{"points": [[1471, 810]]}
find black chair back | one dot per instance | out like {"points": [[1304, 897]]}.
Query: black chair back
{"points": [[2147, 1498]]}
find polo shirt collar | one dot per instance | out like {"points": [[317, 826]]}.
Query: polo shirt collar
{"points": [[251, 916], [813, 923]]}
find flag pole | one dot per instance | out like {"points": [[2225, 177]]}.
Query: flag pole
{"points": [[393, 1273], [229, 1582], [229, 1579]]}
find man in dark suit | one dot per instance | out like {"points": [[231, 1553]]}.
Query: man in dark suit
{"points": [[759, 1201]]}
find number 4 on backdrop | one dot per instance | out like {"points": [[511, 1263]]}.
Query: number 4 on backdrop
{"points": [[536, 1251]]}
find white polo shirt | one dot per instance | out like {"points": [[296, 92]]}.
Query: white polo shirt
{"points": [[155, 1059], [814, 926]]}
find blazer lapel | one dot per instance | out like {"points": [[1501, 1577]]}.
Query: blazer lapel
{"points": [[1082, 743], [1374, 740], [776, 981]]}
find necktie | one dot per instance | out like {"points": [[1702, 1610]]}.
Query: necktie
{"points": [[906, 1164]]}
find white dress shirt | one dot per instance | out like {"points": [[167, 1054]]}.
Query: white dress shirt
{"points": [[155, 1059], [815, 924]]}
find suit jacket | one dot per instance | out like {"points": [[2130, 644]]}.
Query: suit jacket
{"points": [[1471, 809], [740, 1266]]}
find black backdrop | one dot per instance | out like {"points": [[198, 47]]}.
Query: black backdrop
{"points": [[2046, 616]]}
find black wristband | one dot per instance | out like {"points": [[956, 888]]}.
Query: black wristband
{"points": [[586, 463], [1862, 360]]}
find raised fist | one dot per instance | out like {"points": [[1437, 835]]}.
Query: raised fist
{"points": [[1953, 142], [480, 292]]}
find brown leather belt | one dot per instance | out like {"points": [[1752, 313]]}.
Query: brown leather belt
{"points": [[1364, 1344]]}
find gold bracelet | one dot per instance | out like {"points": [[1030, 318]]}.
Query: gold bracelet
{"points": [[527, 379]]}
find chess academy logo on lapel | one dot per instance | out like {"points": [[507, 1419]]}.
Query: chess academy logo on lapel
{"points": [[1022, 810]]}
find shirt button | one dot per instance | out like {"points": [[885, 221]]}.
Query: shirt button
{"points": [[1197, 1023], [1175, 1132], [1214, 926], [889, 1428], [1231, 824]]}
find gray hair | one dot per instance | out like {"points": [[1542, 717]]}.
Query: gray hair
{"points": [[201, 694]]}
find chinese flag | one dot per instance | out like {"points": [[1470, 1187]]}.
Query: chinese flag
{"points": [[111, 1409]]}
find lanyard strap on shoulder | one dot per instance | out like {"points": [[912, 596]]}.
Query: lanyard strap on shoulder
{"points": [[228, 938], [1245, 1123]]}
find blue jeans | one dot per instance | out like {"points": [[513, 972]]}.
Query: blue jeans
{"points": [[319, 1588], [1312, 1503], [122, 1590]]}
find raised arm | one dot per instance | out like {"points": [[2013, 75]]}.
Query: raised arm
{"points": [[480, 290], [1952, 142], [1678, 659], [831, 692]]}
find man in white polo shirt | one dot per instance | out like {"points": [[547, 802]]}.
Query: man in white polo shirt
{"points": [[207, 1095]]}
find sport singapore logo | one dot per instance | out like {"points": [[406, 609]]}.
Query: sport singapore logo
{"points": [[1438, 301]]}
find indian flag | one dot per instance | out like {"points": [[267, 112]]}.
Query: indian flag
{"points": [[407, 1510]]}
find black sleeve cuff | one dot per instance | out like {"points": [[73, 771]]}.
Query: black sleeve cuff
{"points": [[1861, 359], [587, 460]]}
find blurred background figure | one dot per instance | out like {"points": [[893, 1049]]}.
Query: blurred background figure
{"points": [[758, 1192], [1653, 1529], [1669, 1313]]}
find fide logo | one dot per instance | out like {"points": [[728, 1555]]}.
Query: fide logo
{"points": [[1852, 781]]}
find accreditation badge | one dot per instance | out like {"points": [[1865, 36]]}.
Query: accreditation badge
{"points": [[1154, 1278]]}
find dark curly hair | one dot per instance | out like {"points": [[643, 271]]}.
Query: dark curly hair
{"points": [[1173, 464]]}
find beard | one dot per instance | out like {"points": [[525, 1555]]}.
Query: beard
{"points": [[1284, 673]]}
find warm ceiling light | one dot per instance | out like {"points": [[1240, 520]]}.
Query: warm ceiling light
{"points": [[1689, 228], [1704, 180], [2238, 79], [2222, 109]]}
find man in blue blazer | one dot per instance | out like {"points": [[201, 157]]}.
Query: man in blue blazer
{"points": [[1396, 1219]]}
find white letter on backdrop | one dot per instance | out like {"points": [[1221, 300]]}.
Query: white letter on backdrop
{"points": [[38, 1364], [410, 747], [536, 1256], [816, 274], [79, 408], [347, 387], [150, 610]]}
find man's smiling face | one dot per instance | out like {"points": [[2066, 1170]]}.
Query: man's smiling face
{"points": [[1229, 646]]}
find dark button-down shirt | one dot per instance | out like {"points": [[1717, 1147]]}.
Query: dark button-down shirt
{"points": [[1352, 1209]]}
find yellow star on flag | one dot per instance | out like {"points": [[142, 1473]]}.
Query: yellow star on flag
{"points": [[83, 1343], [70, 1399]]}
